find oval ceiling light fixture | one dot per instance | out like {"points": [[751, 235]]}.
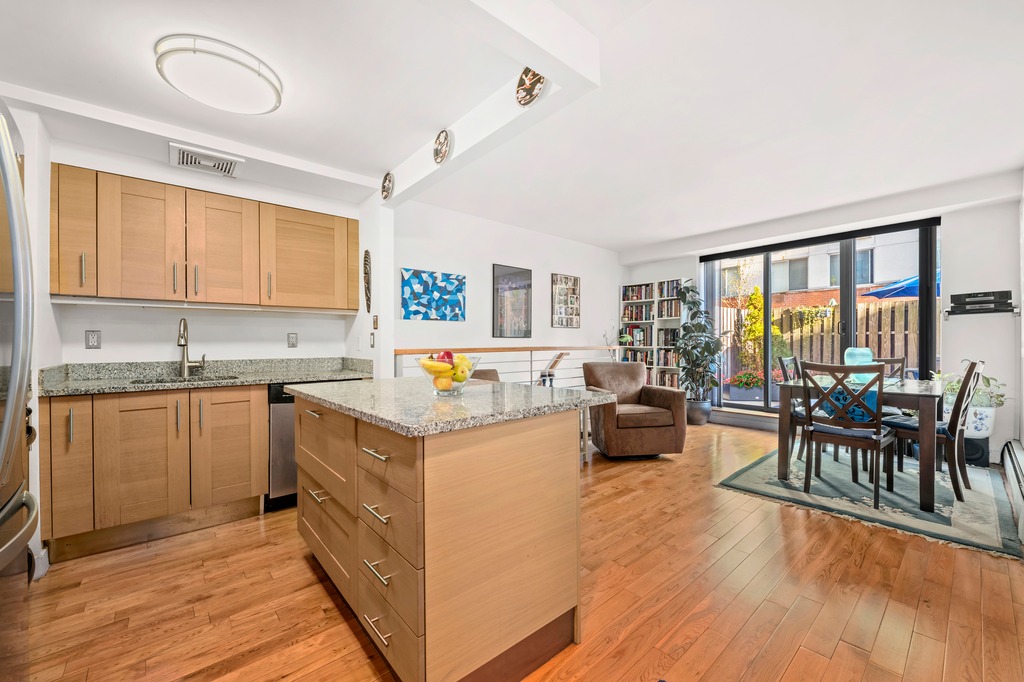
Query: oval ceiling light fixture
{"points": [[218, 74]]}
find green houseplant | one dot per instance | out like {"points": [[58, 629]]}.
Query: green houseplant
{"points": [[698, 348], [981, 415]]}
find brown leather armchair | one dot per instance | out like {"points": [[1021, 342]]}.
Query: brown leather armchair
{"points": [[644, 420]]}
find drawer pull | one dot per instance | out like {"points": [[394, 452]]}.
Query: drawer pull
{"points": [[313, 414], [373, 567], [373, 626], [315, 494], [376, 455], [373, 510]]}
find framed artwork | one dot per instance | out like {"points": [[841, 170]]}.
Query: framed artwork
{"points": [[565, 301], [430, 295], [513, 291]]}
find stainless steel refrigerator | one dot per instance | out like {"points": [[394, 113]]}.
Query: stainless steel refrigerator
{"points": [[19, 512]]}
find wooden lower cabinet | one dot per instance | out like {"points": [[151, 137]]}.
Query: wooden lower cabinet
{"points": [[141, 456], [330, 531], [466, 544], [229, 444], [71, 464]]}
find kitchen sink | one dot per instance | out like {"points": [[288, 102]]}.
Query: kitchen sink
{"points": [[182, 380]]}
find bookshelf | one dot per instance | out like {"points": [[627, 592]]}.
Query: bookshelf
{"points": [[650, 314]]}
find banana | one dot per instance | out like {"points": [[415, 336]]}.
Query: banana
{"points": [[438, 369]]}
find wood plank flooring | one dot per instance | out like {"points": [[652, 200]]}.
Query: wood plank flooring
{"points": [[681, 581]]}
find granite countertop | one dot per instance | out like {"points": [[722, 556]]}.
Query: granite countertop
{"points": [[129, 377], [409, 407]]}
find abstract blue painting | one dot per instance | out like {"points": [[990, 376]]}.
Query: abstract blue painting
{"points": [[433, 296]]}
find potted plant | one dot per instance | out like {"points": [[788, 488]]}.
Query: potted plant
{"points": [[748, 385], [697, 347], [981, 415]]}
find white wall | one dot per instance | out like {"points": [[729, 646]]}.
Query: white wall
{"points": [[432, 238], [979, 252], [376, 235]]}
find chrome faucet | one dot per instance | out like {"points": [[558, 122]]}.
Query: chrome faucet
{"points": [[186, 364]]}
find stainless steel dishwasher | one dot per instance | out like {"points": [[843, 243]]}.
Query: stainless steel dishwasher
{"points": [[282, 449]]}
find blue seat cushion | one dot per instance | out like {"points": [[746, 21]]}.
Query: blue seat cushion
{"points": [[891, 411], [866, 434], [856, 413], [905, 423]]}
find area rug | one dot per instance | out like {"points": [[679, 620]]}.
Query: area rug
{"points": [[984, 520]]}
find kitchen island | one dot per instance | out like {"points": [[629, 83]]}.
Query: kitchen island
{"points": [[450, 525]]}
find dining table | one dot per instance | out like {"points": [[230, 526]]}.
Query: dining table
{"points": [[912, 394]]}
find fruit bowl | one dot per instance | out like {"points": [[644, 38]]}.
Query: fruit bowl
{"points": [[449, 373]]}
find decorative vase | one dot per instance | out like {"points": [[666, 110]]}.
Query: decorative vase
{"points": [[698, 411], [980, 420]]}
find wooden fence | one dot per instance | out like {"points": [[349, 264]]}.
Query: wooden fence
{"points": [[889, 328]]}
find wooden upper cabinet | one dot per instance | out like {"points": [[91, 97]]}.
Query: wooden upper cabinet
{"points": [[141, 456], [229, 433], [76, 230], [141, 238], [307, 259], [223, 237]]}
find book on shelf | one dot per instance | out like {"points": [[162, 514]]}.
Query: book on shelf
{"points": [[638, 355], [640, 333], [669, 308], [668, 337], [669, 288], [638, 312], [667, 358], [667, 378], [638, 292]]}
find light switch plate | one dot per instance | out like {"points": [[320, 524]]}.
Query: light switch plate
{"points": [[93, 339], [293, 340], [374, 321]]}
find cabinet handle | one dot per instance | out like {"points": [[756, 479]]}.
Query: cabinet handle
{"points": [[177, 414], [200, 414], [83, 268], [316, 495], [174, 276], [268, 285], [315, 414], [71, 425], [376, 455], [373, 626], [373, 569], [376, 514], [195, 281]]}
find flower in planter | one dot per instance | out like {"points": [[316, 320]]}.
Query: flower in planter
{"points": [[748, 378]]}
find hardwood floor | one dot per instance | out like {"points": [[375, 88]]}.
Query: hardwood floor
{"points": [[681, 581]]}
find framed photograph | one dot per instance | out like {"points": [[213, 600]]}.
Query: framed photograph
{"points": [[513, 293], [565, 301]]}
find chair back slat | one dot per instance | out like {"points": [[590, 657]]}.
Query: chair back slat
{"points": [[897, 367], [843, 391], [958, 415], [790, 367]]}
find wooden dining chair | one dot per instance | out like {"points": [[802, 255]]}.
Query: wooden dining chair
{"points": [[948, 434], [790, 368], [842, 412]]}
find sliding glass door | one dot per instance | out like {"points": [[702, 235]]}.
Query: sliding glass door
{"points": [[815, 298]]}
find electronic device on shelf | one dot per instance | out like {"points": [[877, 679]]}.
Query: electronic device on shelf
{"points": [[981, 302]]}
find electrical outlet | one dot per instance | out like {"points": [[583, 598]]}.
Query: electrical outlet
{"points": [[293, 340], [374, 321], [92, 339], [372, 339]]}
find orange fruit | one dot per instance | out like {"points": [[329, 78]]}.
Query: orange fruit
{"points": [[443, 383]]}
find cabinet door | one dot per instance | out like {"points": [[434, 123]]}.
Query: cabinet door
{"points": [[76, 230], [229, 432], [141, 238], [71, 464], [223, 248], [305, 259], [141, 460]]}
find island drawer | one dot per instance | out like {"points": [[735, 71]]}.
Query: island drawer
{"points": [[392, 576], [325, 448], [392, 516], [400, 646], [330, 531], [391, 457]]}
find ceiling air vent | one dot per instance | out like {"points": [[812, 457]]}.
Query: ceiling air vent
{"points": [[204, 160]]}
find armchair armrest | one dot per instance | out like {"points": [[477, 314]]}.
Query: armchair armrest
{"points": [[667, 399]]}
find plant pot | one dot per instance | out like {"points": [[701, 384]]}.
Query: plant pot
{"points": [[741, 394], [980, 420], [698, 411]]}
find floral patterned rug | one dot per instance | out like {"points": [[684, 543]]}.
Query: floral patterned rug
{"points": [[984, 520]]}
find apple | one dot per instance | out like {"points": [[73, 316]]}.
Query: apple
{"points": [[443, 383], [445, 356]]}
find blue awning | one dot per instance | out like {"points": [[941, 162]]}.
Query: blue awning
{"points": [[904, 288]]}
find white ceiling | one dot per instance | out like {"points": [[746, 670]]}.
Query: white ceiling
{"points": [[709, 114]]}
